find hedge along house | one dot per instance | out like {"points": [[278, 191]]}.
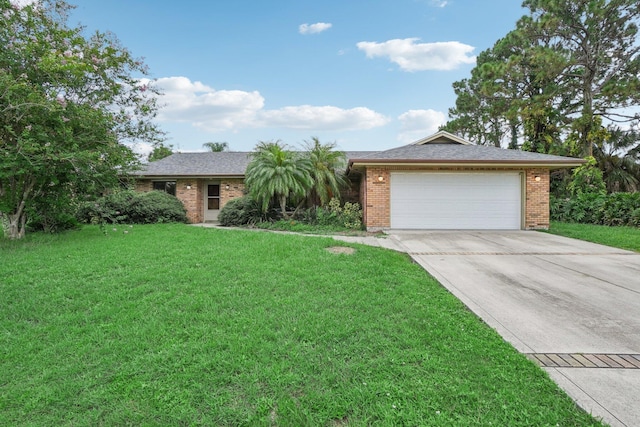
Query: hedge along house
{"points": [[439, 182], [445, 182]]}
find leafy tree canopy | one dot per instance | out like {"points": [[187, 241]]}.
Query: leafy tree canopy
{"points": [[160, 151], [553, 82], [68, 102]]}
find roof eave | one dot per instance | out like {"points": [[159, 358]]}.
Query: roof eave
{"points": [[467, 163]]}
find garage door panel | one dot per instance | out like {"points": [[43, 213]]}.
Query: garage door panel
{"points": [[456, 200]]}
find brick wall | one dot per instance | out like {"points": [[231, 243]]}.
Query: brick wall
{"points": [[375, 195], [189, 192], [377, 202], [143, 185], [536, 214], [235, 190]]}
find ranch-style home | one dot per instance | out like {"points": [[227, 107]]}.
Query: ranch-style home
{"points": [[439, 182]]}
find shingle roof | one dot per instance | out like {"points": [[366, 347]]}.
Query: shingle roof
{"points": [[225, 163], [448, 153]]}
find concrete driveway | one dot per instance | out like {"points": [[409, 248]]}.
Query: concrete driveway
{"points": [[572, 306]]}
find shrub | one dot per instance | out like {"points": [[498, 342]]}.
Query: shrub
{"points": [[348, 216], [601, 209], [131, 207], [619, 208], [241, 211]]}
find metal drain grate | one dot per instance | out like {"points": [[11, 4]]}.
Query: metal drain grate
{"points": [[586, 360]]}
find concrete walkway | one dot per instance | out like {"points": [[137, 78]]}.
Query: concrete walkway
{"points": [[571, 306]]}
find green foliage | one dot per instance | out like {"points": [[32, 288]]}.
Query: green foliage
{"points": [[241, 211], [327, 165], [619, 159], [216, 147], [160, 151], [131, 207], [567, 66], [67, 102], [616, 209], [53, 212], [348, 216], [277, 172], [587, 179]]}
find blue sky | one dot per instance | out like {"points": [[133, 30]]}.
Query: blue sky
{"points": [[368, 75]]}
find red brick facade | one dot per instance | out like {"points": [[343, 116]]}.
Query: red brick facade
{"points": [[537, 199], [374, 194], [376, 202], [191, 193]]}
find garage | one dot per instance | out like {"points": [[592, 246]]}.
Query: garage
{"points": [[445, 182], [456, 200]]}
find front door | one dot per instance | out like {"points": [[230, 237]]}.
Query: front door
{"points": [[211, 201]]}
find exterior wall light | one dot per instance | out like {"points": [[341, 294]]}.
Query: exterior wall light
{"points": [[380, 178], [188, 186], [226, 187], [537, 178]]}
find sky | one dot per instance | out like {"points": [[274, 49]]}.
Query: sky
{"points": [[365, 74]]}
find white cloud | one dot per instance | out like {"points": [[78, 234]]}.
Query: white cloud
{"points": [[142, 149], [314, 28], [205, 107], [413, 56], [416, 124], [216, 110], [324, 118]]}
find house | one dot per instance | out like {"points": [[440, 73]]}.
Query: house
{"points": [[439, 182]]}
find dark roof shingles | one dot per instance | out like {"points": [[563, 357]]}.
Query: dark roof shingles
{"points": [[461, 153]]}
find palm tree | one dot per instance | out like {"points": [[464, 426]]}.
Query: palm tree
{"points": [[275, 171], [216, 146], [326, 166], [618, 160]]}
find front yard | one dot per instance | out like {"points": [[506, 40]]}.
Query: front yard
{"points": [[179, 325], [619, 237]]}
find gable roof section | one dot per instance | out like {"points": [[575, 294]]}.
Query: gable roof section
{"points": [[442, 137]]}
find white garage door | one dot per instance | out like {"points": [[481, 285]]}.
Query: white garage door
{"points": [[470, 201]]}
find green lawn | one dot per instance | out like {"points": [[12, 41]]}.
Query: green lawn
{"points": [[179, 325], [619, 237]]}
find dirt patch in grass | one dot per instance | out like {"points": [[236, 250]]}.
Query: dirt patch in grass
{"points": [[341, 250]]}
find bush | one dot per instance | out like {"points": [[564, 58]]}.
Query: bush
{"points": [[600, 209], [131, 207], [241, 211], [334, 215]]}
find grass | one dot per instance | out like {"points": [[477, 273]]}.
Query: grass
{"points": [[179, 325], [619, 237], [301, 227]]}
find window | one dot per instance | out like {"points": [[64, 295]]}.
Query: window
{"points": [[166, 186], [213, 196]]}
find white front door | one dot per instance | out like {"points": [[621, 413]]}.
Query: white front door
{"points": [[211, 201], [456, 200]]}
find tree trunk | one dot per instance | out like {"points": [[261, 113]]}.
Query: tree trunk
{"points": [[16, 225], [18, 218], [283, 206]]}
